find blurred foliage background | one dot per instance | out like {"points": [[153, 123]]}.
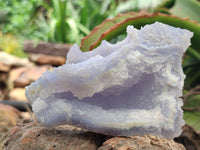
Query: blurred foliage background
{"points": [[68, 21], [64, 21]]}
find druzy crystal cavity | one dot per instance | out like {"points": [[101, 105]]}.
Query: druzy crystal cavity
{"points": [[131, 87]]}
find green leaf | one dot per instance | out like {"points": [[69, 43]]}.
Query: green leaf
{"points": [[111, 28], [105, 5], [84, 13], [140, 5], [56, 7], [74, 30], [192, 119], [83, 28], [52, 30], [58, 25], [98, 31], [164, 5], [187, 9], [192, 103], [3, 15]]}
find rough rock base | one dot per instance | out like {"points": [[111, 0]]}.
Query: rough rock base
{"points": [[30, 135], [146, 142]]}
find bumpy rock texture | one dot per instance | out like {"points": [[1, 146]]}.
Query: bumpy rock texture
{"points": [[132, 87], [146, 142], [30, 135]]}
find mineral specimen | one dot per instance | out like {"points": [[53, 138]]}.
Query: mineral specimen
{"points": [[131, 87]]}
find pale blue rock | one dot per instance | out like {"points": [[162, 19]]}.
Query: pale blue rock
{"points": [[123, 89]]}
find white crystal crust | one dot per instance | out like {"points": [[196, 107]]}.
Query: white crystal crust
{"points": [[131, 87]]}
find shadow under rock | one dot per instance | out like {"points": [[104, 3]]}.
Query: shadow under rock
{"points": [[189, 138]]}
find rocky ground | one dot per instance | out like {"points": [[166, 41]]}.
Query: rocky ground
{"points": [[16, 73], [20, 131], [30, 135]]}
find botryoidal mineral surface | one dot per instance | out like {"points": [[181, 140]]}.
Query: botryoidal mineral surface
{"points": [[123, 89]]}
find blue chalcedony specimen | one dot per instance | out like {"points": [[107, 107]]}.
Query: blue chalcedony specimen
{"points": [[131, 87]]}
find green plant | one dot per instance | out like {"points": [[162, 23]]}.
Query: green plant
{"points": [[191, 107], [3, 16], [65, 21], [58, 24], [21, 18], [69, 20]]}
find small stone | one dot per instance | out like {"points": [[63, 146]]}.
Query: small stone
{"points": [[13, 61], [54, 49], [9, 116], [47, 59], [4, 67], [146, 142], [15, 74], [18, 94], [23, 76]]}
